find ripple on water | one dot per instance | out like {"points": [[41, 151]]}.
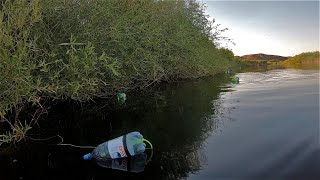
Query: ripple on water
{"points": [[252, 79]]}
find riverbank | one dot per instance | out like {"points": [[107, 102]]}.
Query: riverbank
{"points": [[53, 51], [307, 60]]}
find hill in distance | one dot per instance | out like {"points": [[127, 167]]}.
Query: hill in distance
{"points": [[265, 57]]}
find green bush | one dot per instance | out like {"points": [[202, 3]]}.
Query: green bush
{"points": [[16, 81], [80, 49]]}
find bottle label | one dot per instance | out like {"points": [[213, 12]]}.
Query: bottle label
{"points": [[116, 148]]}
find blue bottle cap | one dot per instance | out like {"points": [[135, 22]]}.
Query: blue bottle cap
{"points": [[87, 156]]}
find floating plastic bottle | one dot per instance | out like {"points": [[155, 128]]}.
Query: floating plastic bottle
{"points": [[121, 98], [235, 80], [124, 146], [134, 164]]}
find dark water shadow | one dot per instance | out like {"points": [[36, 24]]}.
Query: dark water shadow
{"points": [[176, 118]]}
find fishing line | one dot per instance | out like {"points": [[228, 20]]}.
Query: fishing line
{"points": [[151, 147], [61, 142], [83, 147], [44, 139], [145, 140]]}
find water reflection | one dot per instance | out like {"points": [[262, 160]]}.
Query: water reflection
{"points": [[176, 118], [273, 130], [134, 164]]}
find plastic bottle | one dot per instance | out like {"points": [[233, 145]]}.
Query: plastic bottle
{"points": [[121, 98], [235, 80], [127, 145]]}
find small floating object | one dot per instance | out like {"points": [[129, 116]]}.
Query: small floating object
{"points": [[134, 164], [128, 145], [235, 80], [121, 98]]}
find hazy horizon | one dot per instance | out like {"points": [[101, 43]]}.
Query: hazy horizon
{"points": [[284, 28]]}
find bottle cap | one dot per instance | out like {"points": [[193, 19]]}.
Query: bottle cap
{"points": [[87, 156]]}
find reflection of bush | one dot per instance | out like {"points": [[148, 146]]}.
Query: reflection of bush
{"points": [[176, 118], [180, 164]]}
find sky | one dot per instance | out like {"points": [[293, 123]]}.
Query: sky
{"points": [[282, 28]]}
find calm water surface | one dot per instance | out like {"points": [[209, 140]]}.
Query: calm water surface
{"points": [[266, 127], [271, 128]]}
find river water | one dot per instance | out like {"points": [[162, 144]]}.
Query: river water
{"points": [[265, 127]]}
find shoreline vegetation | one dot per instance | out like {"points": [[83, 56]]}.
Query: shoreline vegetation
{"points": [[57, 50], [306, 60]]}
